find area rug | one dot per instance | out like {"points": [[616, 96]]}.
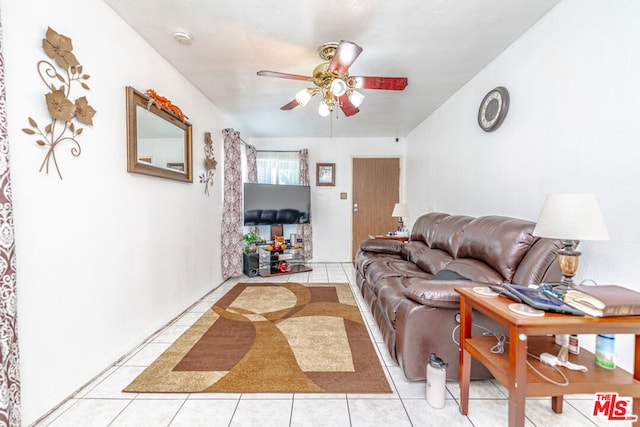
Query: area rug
{"points": [[272, 338]]}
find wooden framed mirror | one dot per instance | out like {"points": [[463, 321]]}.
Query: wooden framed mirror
{"points": [[158, 142]]}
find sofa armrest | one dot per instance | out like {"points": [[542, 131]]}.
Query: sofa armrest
{"points": [[386, 246], [438, 293]]}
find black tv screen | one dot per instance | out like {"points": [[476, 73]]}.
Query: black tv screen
{"points": [[266, 204]]}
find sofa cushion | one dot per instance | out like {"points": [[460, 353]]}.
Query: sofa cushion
{"points": [[448, 233], [500, 242], [392, 268], [433, 260], [475, 270], [412, 251], [364, 259], [425, 226]]}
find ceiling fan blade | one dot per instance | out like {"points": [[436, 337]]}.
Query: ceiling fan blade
{"points": [[382, 83], [265, 73], [345, 55], [291, 105], [347, 107]]}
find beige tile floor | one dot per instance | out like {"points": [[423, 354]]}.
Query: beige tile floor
{"points": [[101, 403]]}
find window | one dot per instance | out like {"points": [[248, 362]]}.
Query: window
{"points": [[278, 167]]}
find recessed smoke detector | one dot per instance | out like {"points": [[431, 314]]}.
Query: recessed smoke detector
{"points": [[183, 37]]}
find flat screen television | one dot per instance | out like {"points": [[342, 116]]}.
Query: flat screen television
{"points": [[266, 204]]}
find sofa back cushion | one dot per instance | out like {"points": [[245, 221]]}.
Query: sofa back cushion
{"points": [[539, 264], [500, 242], [425, 225], [448, 232]]}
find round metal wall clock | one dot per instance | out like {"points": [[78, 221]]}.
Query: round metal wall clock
{"points": [[493, 109]]}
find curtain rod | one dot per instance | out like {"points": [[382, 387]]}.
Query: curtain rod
{"points": [[271, 151]]}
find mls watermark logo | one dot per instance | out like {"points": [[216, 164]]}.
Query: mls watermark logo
{"points": [[613, 407]]}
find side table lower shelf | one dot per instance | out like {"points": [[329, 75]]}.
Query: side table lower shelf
{"points": [[595, 380]]}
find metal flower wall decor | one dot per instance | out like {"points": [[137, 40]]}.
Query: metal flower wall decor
{"points": [[65, 114], [210, 163]]}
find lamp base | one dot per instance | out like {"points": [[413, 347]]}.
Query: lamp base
{"points": [[568, 260]]}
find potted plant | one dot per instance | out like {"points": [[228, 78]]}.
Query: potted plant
{"points": [[251, 239]]}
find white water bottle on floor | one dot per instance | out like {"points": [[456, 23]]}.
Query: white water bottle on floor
{"points": [[436, 379]]}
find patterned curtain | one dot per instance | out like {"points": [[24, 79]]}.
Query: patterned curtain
{"points": [[252, 164], [9, 356], [304, 230], [232, 206]]}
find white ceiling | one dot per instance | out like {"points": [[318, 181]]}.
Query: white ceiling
{"points": [[437, 44]]}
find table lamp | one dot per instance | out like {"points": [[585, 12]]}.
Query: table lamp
{"points": [[570, 217], [400, 210]]}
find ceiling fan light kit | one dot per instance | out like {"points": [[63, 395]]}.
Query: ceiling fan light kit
{"points": [[324, 109], [333, 82], [356, 98], [304, 96]]}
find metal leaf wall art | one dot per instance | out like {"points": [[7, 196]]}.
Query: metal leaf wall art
{"points": [[66, 116], [210, 163]]}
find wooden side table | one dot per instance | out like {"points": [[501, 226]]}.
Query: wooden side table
{"points": [[387, 237], [532, 334]]}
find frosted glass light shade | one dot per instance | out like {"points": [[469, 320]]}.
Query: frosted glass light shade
{"points": [[303, 97], [571, 216], [356, 98], [323, 109], [338, 87]]}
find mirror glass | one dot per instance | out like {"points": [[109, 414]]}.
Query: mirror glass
{"points": [[159, 143]]}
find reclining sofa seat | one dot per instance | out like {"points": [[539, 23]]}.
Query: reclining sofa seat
{"points": [[410, 286]]}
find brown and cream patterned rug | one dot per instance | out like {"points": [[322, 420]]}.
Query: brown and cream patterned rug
{"points": [[272, 337]]}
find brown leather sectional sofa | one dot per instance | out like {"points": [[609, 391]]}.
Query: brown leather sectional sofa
{"points": [[410, 286]]}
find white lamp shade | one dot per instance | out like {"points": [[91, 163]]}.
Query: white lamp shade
{"points": [[571, 216], [400, 210]]}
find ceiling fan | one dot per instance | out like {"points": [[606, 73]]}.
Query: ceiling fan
{"points": [[333, 82]]}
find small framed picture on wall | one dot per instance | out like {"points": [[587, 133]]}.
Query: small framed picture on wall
{"points": [[326, 174]]}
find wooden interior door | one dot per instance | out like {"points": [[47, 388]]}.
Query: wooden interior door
{"points": [[375, 189]]}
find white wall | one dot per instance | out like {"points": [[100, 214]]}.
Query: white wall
{"points": [[104, 258], [330, 215], [573, 125]]}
